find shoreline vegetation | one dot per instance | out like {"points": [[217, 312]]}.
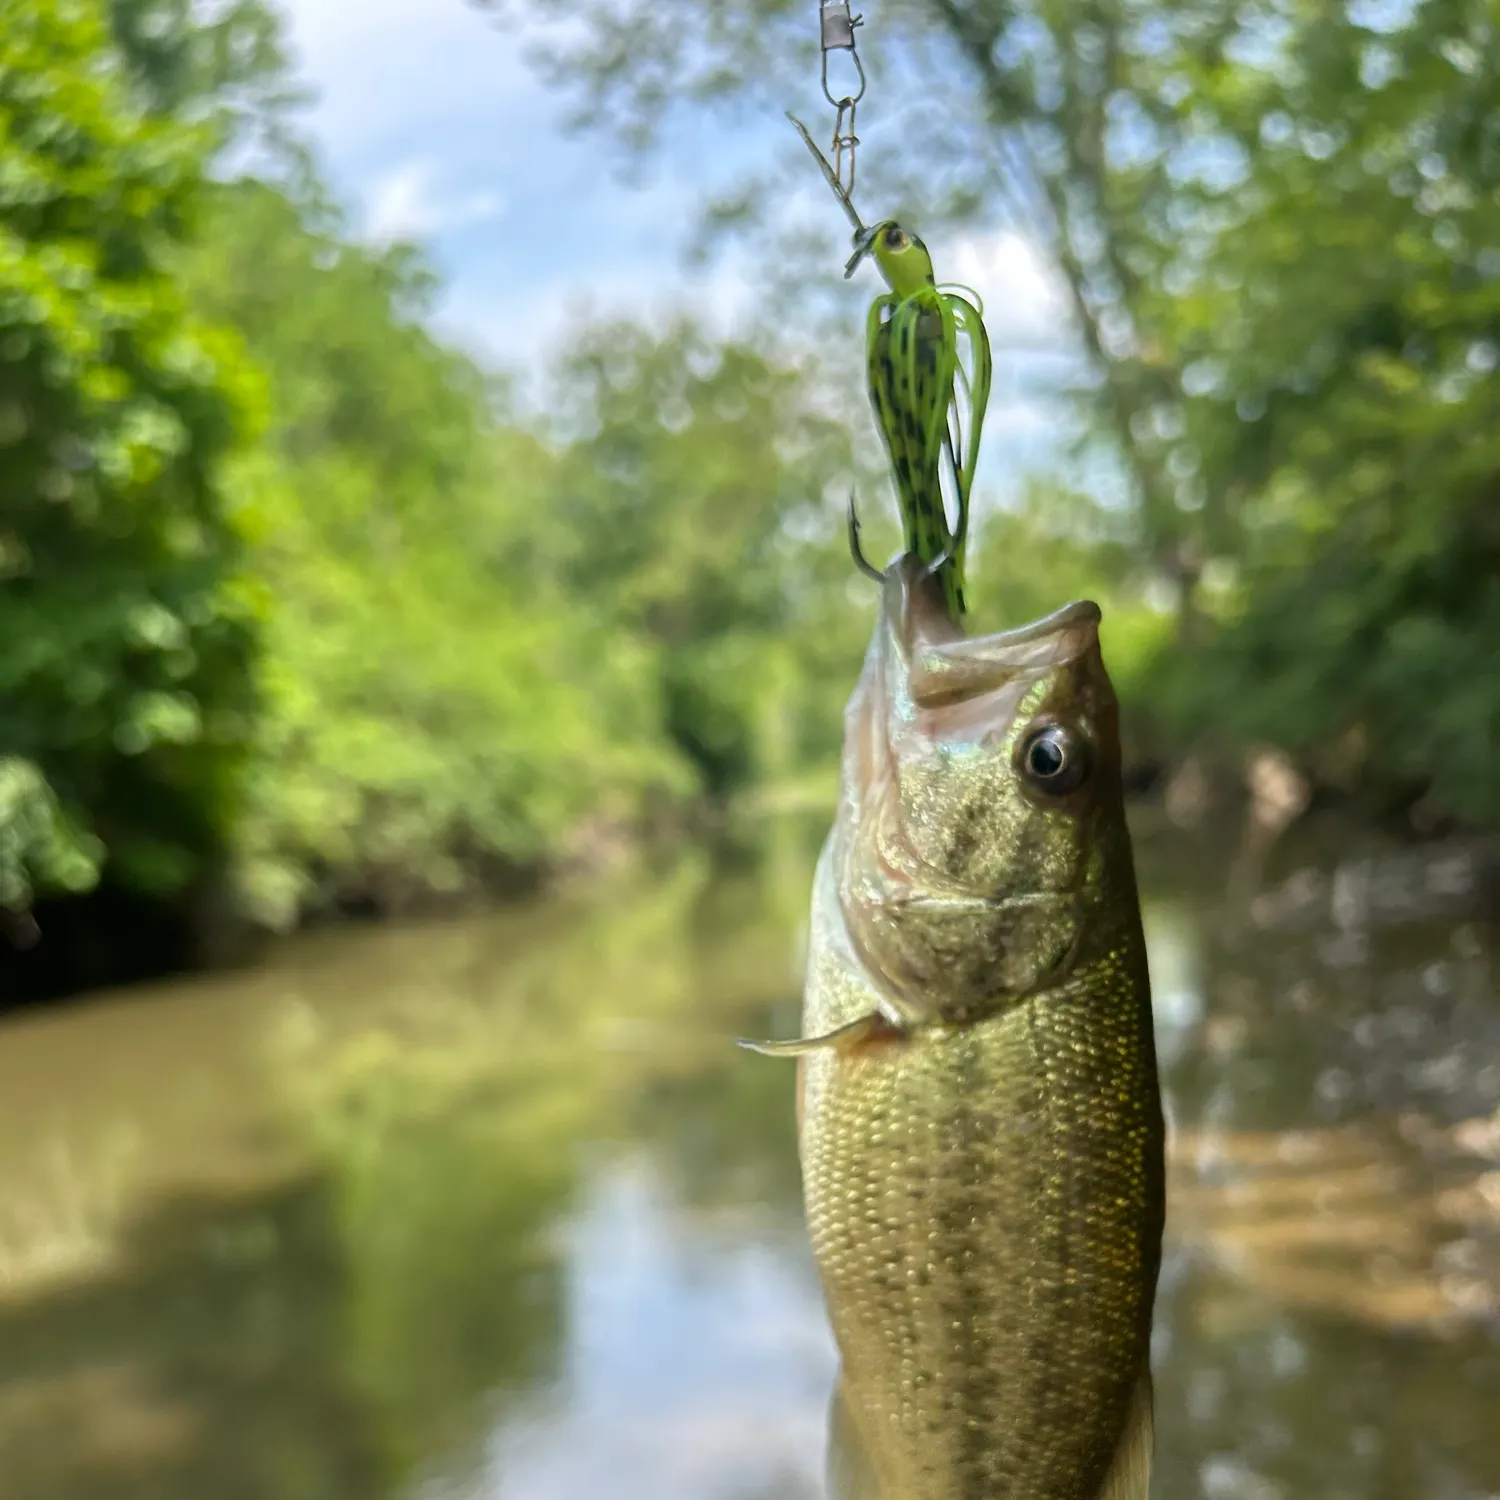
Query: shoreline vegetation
{"points": [[307, 614]]}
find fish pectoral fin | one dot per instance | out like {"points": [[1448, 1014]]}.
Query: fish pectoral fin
{"points": [[850, 1474], [1129, 1476], [871, 1028]]}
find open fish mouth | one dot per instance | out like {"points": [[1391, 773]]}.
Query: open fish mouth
{"points": [[927, 680], [945, 666], [975, 672]]}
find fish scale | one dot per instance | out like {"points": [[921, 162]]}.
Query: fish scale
{"points": [[1009, 1278]]}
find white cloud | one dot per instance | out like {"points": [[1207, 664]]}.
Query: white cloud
{"points": [[1024, 302], [406, 202], [431, 126], [513, 323], [1021, 417], [384, 68]]}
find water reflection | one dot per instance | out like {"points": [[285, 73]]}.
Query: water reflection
{"points": [[208, 1361], [697, 1362], [1327, 1320], [494, 1209]]}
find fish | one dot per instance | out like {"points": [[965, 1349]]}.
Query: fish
{"points": [[979, 1117]]}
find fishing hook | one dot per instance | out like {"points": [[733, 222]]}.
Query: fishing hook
{"points": [[861, 562], [950, 552], [826, 168]]}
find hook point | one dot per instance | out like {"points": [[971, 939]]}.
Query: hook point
{"points": [[861, 562]]}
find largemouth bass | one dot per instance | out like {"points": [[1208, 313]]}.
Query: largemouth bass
{"points": [[980, 1125]]}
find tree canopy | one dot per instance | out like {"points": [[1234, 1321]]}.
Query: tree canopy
{"points": [[1276, 230], [126, 675], [299, 603]]}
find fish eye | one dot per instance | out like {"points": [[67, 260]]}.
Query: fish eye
{"points": [[1054, 759]]}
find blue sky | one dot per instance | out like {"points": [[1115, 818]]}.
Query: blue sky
{"points": [[431, 127]]}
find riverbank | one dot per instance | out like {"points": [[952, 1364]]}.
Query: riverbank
{"points": [[69, 948]]}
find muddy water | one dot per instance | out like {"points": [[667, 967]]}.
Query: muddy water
{"points": [[492, 1208]]}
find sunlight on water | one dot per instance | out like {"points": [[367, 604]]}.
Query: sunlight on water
{"points": [[696, 1363], [493, 1208]]}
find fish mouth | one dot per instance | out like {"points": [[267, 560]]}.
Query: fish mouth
{"points": [[945, 667], [956, 905], [926, 681], [927, 684], [922, 618]]}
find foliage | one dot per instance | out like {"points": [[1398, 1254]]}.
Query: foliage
{"points": [[476, 638], [1344, 320], [126, 674], [427, 705], [399, 641], [290, 583], [1276, 232], [699, 506], [224, 62], [1071, 127]]}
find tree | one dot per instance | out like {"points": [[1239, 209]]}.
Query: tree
{"points": [[1276, 232], [699, 507], [431, 707], [1345, 314], [126, 674], [1074, 127]]}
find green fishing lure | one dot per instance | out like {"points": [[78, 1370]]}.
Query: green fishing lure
{"points": [[912, 338], [919, 386]]}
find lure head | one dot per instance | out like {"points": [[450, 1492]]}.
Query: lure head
{"points": [[902, 257]]}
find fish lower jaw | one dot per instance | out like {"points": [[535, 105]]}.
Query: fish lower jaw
{"points": [[967, 903]]}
